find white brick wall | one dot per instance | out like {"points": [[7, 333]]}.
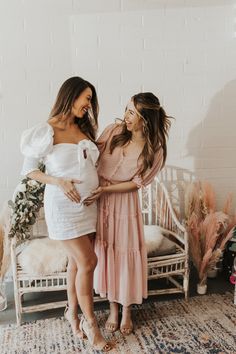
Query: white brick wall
{"points": [[184, 51]]}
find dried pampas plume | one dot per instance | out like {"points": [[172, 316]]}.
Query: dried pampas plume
{"points": [[228, 204], [208, 229], [209, 197], [5, 256], [192, 203]]}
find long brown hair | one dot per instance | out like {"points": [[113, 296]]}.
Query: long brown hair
{"points": [[70, 90], [156, 125]]}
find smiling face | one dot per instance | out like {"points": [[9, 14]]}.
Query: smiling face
{"points": [[82, 104], [132, 119]]}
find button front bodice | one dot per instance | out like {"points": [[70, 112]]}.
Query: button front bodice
{"points": [[72, 160], [66, 160]]}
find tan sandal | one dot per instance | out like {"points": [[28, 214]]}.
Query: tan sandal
{"points": [[93, 333], [126, 330], [111, 327], [71, 319]]}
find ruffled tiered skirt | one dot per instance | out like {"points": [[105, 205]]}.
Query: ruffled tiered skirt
{"points": [[121, 272]]}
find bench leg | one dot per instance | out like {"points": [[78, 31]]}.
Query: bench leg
{"points": [[186, 285], [18, 307]]}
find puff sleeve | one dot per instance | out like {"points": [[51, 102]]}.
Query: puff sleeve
{"points": [[143, 181], [35, 144], [106, 135]]}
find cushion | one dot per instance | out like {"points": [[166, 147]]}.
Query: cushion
{"points": [[43, 257], [156, 242]]}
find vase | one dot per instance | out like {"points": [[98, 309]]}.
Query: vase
{"points": [[212, 273], [3, 297], [201, 288]]}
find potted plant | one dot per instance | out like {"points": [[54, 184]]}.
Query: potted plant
{"points": [[17, 218], [208, 229]]}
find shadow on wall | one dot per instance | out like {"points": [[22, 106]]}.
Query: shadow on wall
{"points": [[214, 157]]}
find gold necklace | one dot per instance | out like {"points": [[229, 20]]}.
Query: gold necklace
{"points": [[137, 140]]}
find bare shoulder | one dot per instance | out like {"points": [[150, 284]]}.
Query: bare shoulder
{"points": [[55, 123]]}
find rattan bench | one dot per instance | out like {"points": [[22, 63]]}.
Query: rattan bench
{"points": [[157, 209]]}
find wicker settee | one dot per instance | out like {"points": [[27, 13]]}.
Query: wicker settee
{"points": [[157, 208]]}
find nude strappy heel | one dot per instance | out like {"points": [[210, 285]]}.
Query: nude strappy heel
{"points": [[76, 332], [92, 332]]}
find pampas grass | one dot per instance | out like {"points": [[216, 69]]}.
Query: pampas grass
{"points": [[5, 256], [1, 245], [208, 197], [209, 230]]}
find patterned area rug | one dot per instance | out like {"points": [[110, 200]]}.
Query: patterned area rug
{"points": [[206, 324]]}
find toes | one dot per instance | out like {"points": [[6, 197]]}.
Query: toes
{"points": [[108, 347], [126, 330], [111, 327]]}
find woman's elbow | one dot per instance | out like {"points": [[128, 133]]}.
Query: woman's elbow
{"points": [[32, 174]]}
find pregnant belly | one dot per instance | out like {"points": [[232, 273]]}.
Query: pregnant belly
{"points": [[87, 185], [89, 182]]}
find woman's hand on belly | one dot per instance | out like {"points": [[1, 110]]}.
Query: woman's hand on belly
{"points": [[94, 196], [68, 187]]}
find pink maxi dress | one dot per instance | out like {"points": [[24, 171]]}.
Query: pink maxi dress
{"points": [[121, 272]]}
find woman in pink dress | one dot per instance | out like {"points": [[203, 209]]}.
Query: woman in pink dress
{"points": [[131, 154]]}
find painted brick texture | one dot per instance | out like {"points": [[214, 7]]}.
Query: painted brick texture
{"points": [[183, 51]]}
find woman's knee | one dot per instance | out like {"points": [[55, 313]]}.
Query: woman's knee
{"points": [[72, 267], [89, 264]]}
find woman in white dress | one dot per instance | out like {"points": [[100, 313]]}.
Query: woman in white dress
{"points": [[66, 145]]}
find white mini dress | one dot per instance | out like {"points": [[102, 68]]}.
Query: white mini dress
{"points": [[65, 219]]}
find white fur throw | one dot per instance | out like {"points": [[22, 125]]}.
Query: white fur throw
{"points": [[42, 257], [156, 243]]}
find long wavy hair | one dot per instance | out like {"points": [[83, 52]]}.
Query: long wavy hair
{"points": [[156, 125], [70, 90]]}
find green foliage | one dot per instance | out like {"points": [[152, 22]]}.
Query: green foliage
{"points": [[25, 207]]}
